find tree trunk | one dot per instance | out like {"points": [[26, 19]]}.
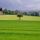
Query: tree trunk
{"points": [[19, 19]]}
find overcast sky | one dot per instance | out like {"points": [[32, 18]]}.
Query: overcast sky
{"points": [[20, 4]]}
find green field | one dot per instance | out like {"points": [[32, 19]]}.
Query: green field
{"points": [[27, 29]]}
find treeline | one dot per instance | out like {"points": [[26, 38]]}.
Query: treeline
{"points": [[31, 13]]}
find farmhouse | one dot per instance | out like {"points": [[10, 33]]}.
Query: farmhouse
{"points": [[1, 13]]}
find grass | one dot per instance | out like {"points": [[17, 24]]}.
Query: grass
{"points": [[14, 17], [12, 29]]}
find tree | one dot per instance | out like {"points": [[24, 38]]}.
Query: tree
{"points": [[24, 13], [5, 11], [36, 14], [9, 12], [19, 15], [13, 13], [16, 11]]}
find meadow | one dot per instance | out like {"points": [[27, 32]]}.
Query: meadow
{"points": [[27, 29]]}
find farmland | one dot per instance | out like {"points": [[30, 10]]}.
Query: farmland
{"points": [[27, 29]]}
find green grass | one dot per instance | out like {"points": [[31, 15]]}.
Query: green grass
{"points": [[23, 30], [12, 29]]}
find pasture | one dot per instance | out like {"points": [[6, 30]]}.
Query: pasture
{"points": [[27, 29]]}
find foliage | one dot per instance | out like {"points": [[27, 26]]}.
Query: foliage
{"points": [[10, 12], [19, 15]]}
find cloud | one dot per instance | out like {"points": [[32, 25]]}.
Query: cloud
{"points": [[20, 4]]}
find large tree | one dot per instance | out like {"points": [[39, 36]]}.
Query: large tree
{"points": [[19, 15]]}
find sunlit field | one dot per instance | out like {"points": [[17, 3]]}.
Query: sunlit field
{"points": [[27, 29], [25, 18]]}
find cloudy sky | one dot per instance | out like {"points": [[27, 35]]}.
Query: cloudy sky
{"points": [[20, 4]]}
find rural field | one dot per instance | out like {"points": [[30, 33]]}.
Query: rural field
{"points": [[27, 29]]}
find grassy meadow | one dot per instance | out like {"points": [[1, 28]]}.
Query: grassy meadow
{"points": [[27, 29]]}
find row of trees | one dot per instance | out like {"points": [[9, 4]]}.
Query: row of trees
{"points": [[9, 12], [19, 13]]}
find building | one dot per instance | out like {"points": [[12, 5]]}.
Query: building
{"points": [[1, 13]]}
